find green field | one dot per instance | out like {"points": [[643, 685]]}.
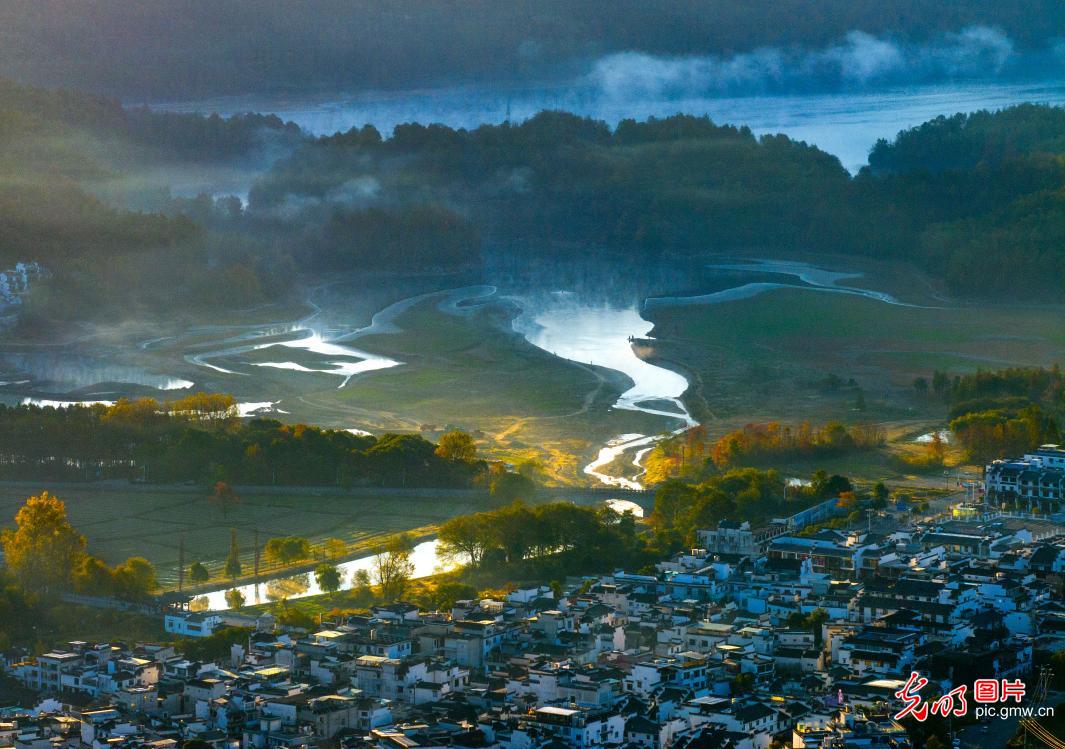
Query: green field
{"points": [[763, 358], [123, 522]]}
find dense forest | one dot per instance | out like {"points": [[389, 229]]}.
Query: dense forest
{"points": [[138, 50], [693, 453], [65, 155], [200, 439], [558, 538], [976, 200]]}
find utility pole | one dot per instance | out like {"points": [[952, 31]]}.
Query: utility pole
{"points": [[257, 555], [181, 564]]}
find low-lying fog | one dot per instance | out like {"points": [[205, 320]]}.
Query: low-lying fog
{"points": [[841, 98]]}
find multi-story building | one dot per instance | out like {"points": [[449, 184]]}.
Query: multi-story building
{"points": [[1035, 482]]}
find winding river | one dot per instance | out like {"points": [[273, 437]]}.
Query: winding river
{"points": [[568, 326], [603, 335], [564, 323]]}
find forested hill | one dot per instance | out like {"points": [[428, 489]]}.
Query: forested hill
{"points": [[986, 192], [970, 141], [65, 155], [976, 200], [681, 183], [82, 117], [192, 48]]}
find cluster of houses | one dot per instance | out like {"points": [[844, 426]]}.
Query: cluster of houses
{"points": [[759, 636]]}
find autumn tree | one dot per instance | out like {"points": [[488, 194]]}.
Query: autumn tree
{"points": [[457, 445], [235, 599], [465, 536], [335, 548], [92, 576], [361, 584], [208, 408], [287, 549], [43, 549], [224, 498], [134, 579]]}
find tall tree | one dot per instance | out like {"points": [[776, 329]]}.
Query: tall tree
{"points": [[233, 560], [224, 498], [288, 549], [456, 445], [198, 573], [465, 536], [328, 577], [394, 568], [335, 548], [43, 549], [134, 579]]}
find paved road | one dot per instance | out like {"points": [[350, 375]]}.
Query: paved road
{"points": [[999, 732]]}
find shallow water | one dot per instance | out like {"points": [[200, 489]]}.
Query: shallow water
{"points": [[603, 336], [811, 277]]}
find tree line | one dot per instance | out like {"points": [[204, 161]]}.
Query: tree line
{"points": [[974, 199], [558, 535], [683, 507], [694, 454], [45, 554], [63, 154], [1000, 413], [200, 439], [757, 444]]}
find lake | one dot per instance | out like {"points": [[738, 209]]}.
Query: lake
{"points": [[844, 124]]}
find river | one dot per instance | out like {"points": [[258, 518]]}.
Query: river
{"points": [[570, 325], [603, 335]]}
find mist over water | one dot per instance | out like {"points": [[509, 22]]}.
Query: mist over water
{"points": [[841, 98]]}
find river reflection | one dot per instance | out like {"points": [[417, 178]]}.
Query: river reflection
{"points": [[603, 335], [424, 557]]}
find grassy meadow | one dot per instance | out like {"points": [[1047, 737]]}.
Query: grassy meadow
{"points": [[767, 357]]}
